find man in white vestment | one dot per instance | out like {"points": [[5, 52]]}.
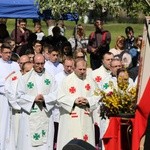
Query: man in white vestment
{"points": [[68, 64], [36, 94], [77, 102], [7, 67], [115, 64], [10, 90], [102, 72], [12, 81], [105, 86], [98, 76]]}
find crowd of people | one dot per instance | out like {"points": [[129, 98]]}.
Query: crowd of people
{"points": [[47, 90]]}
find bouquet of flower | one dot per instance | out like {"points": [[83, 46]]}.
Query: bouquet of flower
{"points": [[120, 100]]}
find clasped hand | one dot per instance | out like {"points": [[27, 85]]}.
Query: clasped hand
{"points": [[81, 101], [39, 98]]}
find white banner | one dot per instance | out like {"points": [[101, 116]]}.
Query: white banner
{"points": [[144, 69]]}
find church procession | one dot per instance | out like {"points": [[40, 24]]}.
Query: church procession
{"points": [[59, 93]]}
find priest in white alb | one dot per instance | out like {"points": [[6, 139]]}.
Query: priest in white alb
{"points": [[77, 101], [68, 64], [36, 96], [7, 67], [10, 92]]}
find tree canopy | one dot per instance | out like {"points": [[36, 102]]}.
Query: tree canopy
{"points": [[113, 7]]}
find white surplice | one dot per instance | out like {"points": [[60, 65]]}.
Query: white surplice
{"points": [[76, 122], [36, 129], [98, 76], [6, 140], [53, 68], [10, 90], [105, 87], [59, 78]]}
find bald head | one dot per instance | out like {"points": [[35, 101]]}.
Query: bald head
{"points": [[38, 57], [23, 59], [38, 63], [80, 68]]}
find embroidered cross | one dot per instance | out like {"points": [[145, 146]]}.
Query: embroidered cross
{"points": [[85, 137], [43, 132], [34, 110], [98, 79], [36, 136], [30, 85], [87, 87], [14, 78], [105, 85], [72, 90], [47, 81]]}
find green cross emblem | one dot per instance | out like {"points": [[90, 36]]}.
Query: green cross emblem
{"points": [[30, 85], [36, 136], [43, 132], [105, 86], [34, 110], [47, 81]]}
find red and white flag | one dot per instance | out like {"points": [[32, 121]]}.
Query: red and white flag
{"points": [[143, 107], [141, 117]]}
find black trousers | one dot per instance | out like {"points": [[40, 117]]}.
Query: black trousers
{"points": [[56, 124]]}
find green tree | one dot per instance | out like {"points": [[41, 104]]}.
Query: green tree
{"points": [[58, 7], [134, 7]]}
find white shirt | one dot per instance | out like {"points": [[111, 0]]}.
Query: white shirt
{"points": [[39, 35], [53, 68]]}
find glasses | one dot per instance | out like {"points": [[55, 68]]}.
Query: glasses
{"points": [[117, 66], [38, 64]]}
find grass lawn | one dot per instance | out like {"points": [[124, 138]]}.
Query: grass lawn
{"points": [[115, 28]]}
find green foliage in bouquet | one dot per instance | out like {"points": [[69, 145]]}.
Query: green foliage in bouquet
{"points": [[120, 100]]}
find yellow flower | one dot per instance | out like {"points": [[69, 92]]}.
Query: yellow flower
{"points": [[118, 100]]}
